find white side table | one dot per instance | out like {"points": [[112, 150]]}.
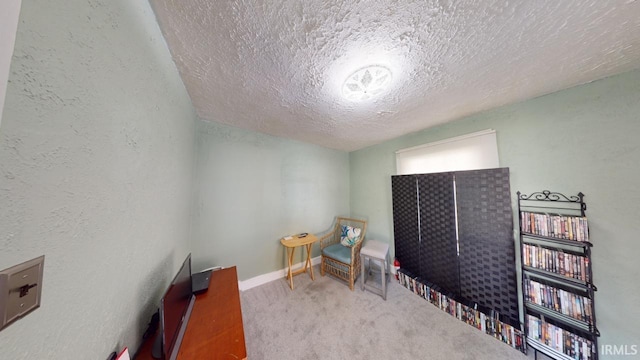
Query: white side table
{"points": [[376, 251]]}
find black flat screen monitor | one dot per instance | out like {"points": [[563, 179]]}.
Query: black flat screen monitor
{"points": [[175, 310]]}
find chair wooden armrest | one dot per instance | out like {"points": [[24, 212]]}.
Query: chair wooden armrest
{"points": [[355, 249], [355, 259]]}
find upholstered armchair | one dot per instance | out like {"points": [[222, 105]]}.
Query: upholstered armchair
{"points": [[340, 249]]}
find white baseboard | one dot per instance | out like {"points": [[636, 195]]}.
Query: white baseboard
{"points": [[274, 275]]}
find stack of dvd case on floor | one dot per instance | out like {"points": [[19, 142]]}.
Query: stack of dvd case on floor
{"points": [[485, 320]]}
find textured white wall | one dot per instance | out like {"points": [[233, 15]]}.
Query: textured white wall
{"points": [[252, 189], [9, 12], [96, 163]]}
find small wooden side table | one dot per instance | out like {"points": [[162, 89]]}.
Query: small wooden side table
{"points": [[290, 245]]}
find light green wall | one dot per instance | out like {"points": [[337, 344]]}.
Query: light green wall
{"points": [[252, 189], [581, 139], [96, 157]]}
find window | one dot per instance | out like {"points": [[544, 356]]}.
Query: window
{"points": [[474, 151]]}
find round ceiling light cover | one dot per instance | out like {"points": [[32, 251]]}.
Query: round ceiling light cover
{"points": [[366, 83]]}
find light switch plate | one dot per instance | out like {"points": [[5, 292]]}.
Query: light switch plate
{"points": [[20, 290]]}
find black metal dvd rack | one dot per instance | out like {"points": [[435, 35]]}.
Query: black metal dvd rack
{"points": [[557, 276]]}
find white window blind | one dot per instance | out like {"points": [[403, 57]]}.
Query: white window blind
{"points": [[467, 152]]}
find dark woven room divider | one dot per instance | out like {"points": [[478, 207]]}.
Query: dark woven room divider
{"points": [[405, 222], [438, 249], [484, 272], [485, 232]]}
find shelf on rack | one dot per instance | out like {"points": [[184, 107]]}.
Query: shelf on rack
{"points": [[556, 277], [575, 243], [558, 316], [547, 350]]}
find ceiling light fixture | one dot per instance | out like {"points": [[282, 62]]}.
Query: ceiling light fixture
{"points": [[366, 83]]}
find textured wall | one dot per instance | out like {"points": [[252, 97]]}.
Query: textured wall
{"points": [[252, 189], [581, 139], [96, 158]]}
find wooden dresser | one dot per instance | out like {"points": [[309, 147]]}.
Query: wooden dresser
{"points": [[215, 329]]}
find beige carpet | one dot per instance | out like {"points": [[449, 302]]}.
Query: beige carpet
{"points": [[323, 319]]}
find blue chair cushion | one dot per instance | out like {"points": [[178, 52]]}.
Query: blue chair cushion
{"points": [[338, 252]]}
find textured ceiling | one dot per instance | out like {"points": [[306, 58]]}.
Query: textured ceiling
{"points": [[278, 67]]}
